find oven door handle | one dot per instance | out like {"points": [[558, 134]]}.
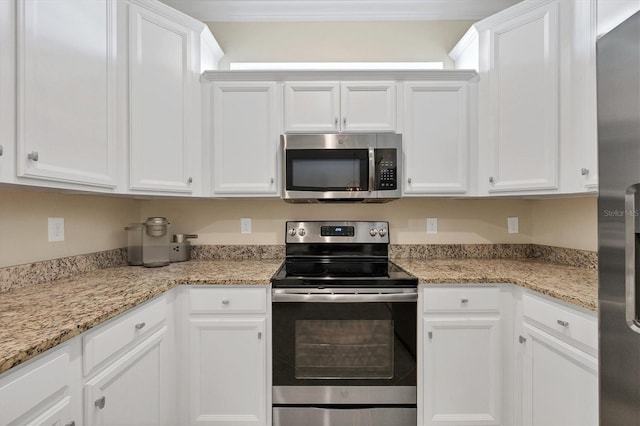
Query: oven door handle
{"points": [[344, 297]]}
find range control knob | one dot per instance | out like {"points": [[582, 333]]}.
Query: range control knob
{"points": [[373, 232], [382, 232], [292, 232], [301, 232]]}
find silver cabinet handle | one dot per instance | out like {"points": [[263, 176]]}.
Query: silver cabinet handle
{"points": [[140, 326], [259, 335], [33, 156], [490, 179], [100, 402], [430, 334], [271, 181], [71, 423], [336, 122], [1, 150], [563, 323], [344, 121], [522, 339], [190, 180], [463, 301], [225, 301], [409, 180], [584, 171]]}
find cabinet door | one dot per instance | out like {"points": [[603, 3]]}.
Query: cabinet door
{"points": [[66, 124], [312, 107], [227, 372], [523, 100], [368, 106], [160, 92], [46, 391], [462, 373], [245, 139], [560, 382], [7, 91], [131, 391], [436, 138]]}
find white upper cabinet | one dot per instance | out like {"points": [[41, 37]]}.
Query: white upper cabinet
{"points": [[245, 127], [537, 108], [312, 106], [164, 143], [522, 121], [436, 138], [331, 106], [66, 92], [7, 92]]}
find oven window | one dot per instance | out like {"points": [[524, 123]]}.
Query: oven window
{"points": [[344, 349], [327, 170]]}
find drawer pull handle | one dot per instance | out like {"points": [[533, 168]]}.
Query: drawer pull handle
{"points": [[33, 156], [100, 402], [522, 339], [226, 301], [463, 301], [71, 423], [563, 323], [140, 326], [430, 334], [259, 335]]}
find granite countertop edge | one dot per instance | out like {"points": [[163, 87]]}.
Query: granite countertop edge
{"points": [[140, 285]]}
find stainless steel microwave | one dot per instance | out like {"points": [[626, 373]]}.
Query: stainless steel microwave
{"points": [[341, 167]]}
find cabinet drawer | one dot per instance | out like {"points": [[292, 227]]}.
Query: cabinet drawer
{"points": [[561, 320], [108, 339], [42, 389], [220, 300], [461, 299]]}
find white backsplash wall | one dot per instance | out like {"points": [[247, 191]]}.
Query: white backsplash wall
{"points": [[91, 223], [421, 41], [459, 221]]}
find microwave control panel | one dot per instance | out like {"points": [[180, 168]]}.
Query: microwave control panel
{"points": [[386, 169]]}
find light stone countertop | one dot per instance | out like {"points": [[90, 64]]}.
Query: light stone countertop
{"points": [[36, 318], [574, 285]]}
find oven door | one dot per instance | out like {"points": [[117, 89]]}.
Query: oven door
{"points": [[344, 347]]}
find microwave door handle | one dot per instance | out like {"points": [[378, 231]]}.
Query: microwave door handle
{"points": [[372, 168]]}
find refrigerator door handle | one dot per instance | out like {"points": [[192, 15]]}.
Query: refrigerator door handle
{"points": [[632, 256]]}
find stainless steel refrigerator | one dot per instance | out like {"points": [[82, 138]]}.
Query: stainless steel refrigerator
{"points": [[618, 76]]}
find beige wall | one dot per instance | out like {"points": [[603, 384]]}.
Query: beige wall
{"points": [[459, 221], [92, 223], [566, 222], [95, 223], [421, 41]]}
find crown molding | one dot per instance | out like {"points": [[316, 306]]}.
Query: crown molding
{"points": [[338, 10]]}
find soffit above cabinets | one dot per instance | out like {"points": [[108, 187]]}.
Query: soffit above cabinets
{"points": [[338, 10]]}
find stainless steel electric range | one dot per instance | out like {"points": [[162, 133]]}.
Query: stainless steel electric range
{"points": [[344, 329]]}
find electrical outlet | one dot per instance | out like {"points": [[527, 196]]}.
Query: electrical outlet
{"points": [[245, 225], [512, 225], [56, 229], [432, 225]]}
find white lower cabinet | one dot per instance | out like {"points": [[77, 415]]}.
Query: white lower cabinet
{"points": [[130, 391], [45, 391], [228, 364], [129, 368], [462, 356], [559, 364]]}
